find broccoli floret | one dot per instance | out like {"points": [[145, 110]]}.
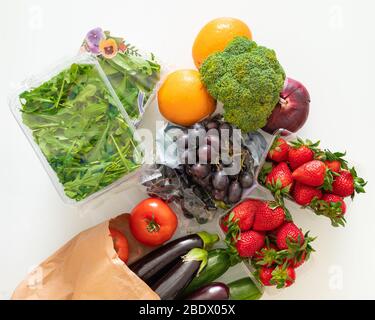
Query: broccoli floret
{"points": [[247, 79]]}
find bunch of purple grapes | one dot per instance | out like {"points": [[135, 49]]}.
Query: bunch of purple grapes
{"points": [[212, 156]]}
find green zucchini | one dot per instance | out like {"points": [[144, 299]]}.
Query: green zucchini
{"points": [[244, 289], [218, 262]]}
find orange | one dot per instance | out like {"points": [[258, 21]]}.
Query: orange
{"points": [[183, 99], [215, 36]]}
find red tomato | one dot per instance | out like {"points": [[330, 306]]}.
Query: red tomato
{"points": [[152, 222], [120, 244]]}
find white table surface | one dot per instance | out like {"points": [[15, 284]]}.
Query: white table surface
{"points": [[327, 45]]}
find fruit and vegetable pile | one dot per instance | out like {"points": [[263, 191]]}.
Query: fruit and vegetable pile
{"points": [[219, 118]]}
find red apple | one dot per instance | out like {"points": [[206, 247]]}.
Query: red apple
{"points": [[292, 110]]}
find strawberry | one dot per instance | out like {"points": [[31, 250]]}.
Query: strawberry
{"points": [[335, 161], [269, 216], [299, 156], [281, 276], [297, 262], [244, 213], [249, 243], [265, 275], [280, 178], [268, 256], [334, 165], [224, 223], [312, 173], [266, 169], [304, 194], [289, 234], [347, 183], [301, 152], [241, 218], [279, 150], [331, 206], [332, 199]]}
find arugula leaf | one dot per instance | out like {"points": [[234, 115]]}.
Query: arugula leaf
{"points": [[80, 131], [131, 75]]}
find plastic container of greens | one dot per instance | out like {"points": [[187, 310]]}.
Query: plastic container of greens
{"points": [[78, 128], [133, 74]]}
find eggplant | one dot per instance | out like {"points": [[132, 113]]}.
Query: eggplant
{"points": [[218, 262], [152, 266], [212, 291], [173, 282]]}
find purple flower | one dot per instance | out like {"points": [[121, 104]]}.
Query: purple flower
{"points": [[94, 36], [92, 48]]}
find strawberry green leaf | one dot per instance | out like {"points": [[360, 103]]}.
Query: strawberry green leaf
{"points": [[359, 183], [336, 156], [331, 210]]}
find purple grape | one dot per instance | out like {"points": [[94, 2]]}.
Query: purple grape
{"points": [[212, 125], [206, 153], [234, 192], [219, 194], [197, 132], [233, 177], [204, 182], [226, 126], [220, 180], [187, 157], [200, 170], [213, 139], [246, 180]]}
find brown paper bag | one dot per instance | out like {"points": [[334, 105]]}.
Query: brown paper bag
{"points": [[87, 267]]}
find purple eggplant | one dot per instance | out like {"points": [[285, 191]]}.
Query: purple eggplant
{"points": [[153, 265], [212, 291], [178, 277]]}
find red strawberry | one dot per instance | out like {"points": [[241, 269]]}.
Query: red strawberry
{"points": [[343, 185], [329, 197], [265, 275], [301, 152], [224, 223], [279, 150], [288, 231], [335, 160], [347, 183], [280, 177], [269, 216], [311, 173], [249, 243], [334, 165], [299, 156], [267, 256], [303, 194], [244, 213], [297, 262], [280, 276]]}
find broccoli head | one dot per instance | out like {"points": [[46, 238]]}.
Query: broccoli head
{"points": [[247, 79]]}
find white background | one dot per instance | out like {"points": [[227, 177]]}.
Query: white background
{"points": [[327, 45]]}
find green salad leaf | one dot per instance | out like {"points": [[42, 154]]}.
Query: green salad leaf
{"points": [[133, 78], [80, 130]]}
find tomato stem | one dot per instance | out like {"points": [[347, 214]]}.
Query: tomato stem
{"points": [[152, 225]]}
